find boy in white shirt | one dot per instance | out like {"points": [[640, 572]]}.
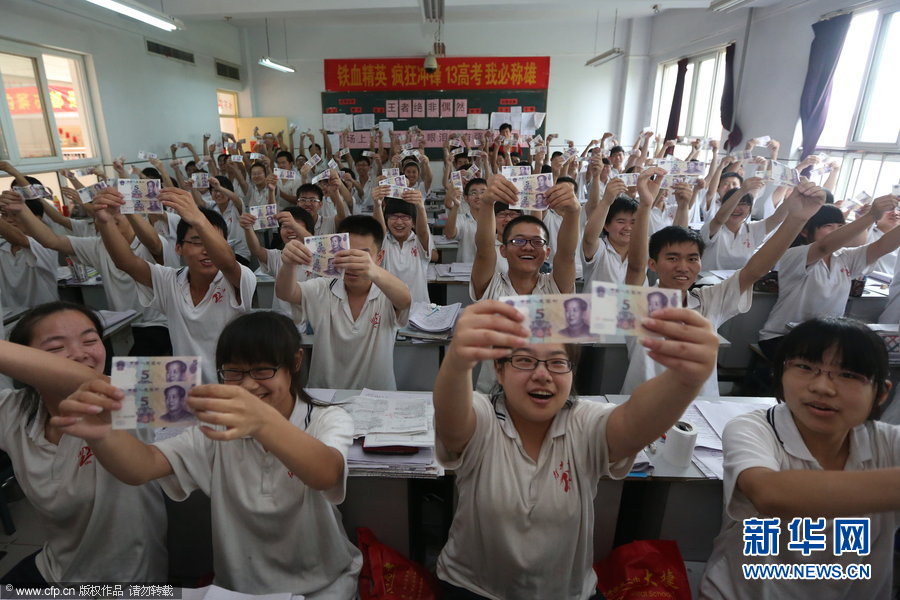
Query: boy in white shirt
{"points": [[199, 299], [310, 198], [674, 254], [27, 269], [406, 252], [287, 188], [356, 317], [462, 223]]}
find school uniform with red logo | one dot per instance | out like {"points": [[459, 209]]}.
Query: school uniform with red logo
{"points": [[97, 528]]}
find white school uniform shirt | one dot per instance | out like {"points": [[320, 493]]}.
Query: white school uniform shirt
{"points": [[698, 210], [409, 261], [271, 267], [98, 528], [195, 329], [813, 291], [500, 286], [350, 354], [324, 225], [718, 303], [525, 528], [271, 533], [660, 218], [168, 229], [886, 262], [362, 204], [288, 186], [82, 228], [770, 439], [121, 291], [553, 220], [891, 313], [731, 251], [605, 265], [466, 225], [236, 237], [28, 277], [256, 197]]}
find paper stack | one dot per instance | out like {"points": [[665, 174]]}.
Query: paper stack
{"points": [[431, 321]]}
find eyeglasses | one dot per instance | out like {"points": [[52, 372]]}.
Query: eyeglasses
{"points": [[308, 199], [807, 372], [524, 362], [399, 217], [537, 244], [193, 242], [259, 373]]}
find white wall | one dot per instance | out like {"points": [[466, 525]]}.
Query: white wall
{"points": [[581, 101], [775, 55], [143, 101]]}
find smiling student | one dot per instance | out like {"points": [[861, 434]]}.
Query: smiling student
{"points": [[820, 453], [271, 460], [407, 242], [528, 458]]}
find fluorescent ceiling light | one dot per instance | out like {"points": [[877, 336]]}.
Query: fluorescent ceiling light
{"points": [[727, 5], [433, 11], [140, 12], [607, 56], [268, 62]]}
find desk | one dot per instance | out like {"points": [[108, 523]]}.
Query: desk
{"points": [[118, 334], [90, 292], [265, 291]]}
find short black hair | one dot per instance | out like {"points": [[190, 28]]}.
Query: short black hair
{"points": [[311, 187], [364, 159], [524, 219], [349, 171], [615, 149], [505, 126], [731, 174], [225, 182], [151, 173], [471, 182], [409, 162], [36, 206], [826, 215], [565, 179], [619, 205], [671, 235], [555, 154], [285, 154], [362, 225], [861, 350], [212, 216], [259, 164], [745, 199], [301, 214], [33, 180]]}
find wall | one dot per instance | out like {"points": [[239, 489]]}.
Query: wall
{"points": [[143, 101], [775, 55], [581, 100]]}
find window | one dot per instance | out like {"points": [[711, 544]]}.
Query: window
{"points": [[228, 111], [47, 118], [703, 83]]}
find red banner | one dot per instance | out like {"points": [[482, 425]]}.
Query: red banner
{"points": [[453, 73], [26, 100]]}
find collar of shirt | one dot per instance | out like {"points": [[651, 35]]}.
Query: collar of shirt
{"points": [[185, 285], [787, 432], [557, 428], [338, 289], [410, 240]]}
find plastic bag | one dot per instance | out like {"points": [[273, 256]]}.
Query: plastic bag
{"points": [[644, 569], [388, 575]]}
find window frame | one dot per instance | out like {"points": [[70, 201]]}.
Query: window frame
{"points": [[9, 147]]}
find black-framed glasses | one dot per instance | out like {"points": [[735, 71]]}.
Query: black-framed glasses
{"points": [[258, 373], [193, 242], [809, 371], [523, 362], [537, 244]]}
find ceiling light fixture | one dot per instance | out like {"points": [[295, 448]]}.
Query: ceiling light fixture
{"points": [[612, 53], [267, 61], [727, 5], [140, 12], [433, 11]]}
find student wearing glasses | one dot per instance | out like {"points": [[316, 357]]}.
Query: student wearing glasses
{"points": [[525, 246], [528, 458], [271, 459], [820, 453], [309, 198], [407, 241]]}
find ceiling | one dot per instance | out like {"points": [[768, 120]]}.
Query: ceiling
{"points": [[410, 11]]}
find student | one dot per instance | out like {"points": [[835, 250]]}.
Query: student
{"points": [[674, 254], [256, 192], [528, 459], [888, 221], [729, 237], [814, 277], [819, 453], [199, 299], [309, 198], [461, 225], [98, 529], [553, 220], [287, 188], [407, 241], [418, 175], [607, 232], [151, 336], [271, 460], [27, 269], [524, 245], [229, 205], [356, 317], [294, 223]]}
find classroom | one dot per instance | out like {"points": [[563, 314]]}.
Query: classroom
{"points": [[450, 299]]}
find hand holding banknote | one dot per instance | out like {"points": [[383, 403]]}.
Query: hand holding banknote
{"points": [[500, 189], [296, 253], [561, 198], [647, 186], [486, 330], [231, 406], [688, 345], [86, 412]]}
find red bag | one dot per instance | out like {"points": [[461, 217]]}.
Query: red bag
{"points": [[388, 575], [644, 569]]}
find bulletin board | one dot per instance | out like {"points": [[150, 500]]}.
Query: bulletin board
{"points": [[436, 113]]}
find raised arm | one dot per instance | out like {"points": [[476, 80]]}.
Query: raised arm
{"points": [[32, 366], [750, 185], [286, 286], [379, 193], [886, 243], [147, 235], [846, 235], [32, 225], [247, 220], [107, 201], [12, 235], [486, 330], [561, 198], [688, 347], [7, 166], [638, 244], [451, 198], [485, 264], [360, 262], [593, 227]]}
